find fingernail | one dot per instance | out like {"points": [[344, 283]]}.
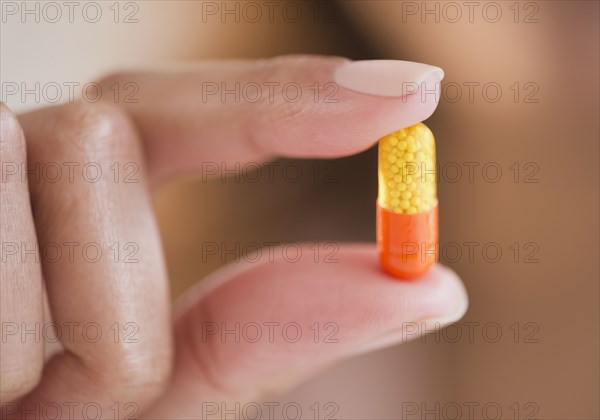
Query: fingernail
{"points": [[387, 78]]}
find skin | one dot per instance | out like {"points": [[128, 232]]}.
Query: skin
{"points": [[173, 367]]}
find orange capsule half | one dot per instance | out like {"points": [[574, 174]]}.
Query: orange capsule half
{"points": [[407, 205]]}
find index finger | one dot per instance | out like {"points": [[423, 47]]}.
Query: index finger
{"points": [[294, 106]]}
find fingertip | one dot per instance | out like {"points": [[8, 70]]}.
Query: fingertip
{"points": [[451, 285], [354, 122]]}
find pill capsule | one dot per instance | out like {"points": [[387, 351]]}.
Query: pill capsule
{"points": [[407, 205]]}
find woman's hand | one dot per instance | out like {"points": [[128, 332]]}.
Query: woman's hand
{"points": [[122, 352]]}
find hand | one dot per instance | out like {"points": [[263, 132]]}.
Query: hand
{"points": [[177, 361]]}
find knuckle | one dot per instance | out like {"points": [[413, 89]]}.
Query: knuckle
{"points": [[20, 381], [124, 85], [93, 131], [110, 79], [134, 370], [11, 134]]}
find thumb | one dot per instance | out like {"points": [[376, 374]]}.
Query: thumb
{"points": [[254, 329]]}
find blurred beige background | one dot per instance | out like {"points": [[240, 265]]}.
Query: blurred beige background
{"points": [[544, 300]]}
